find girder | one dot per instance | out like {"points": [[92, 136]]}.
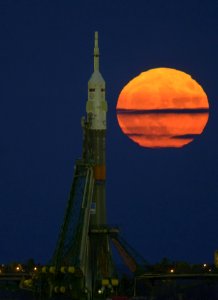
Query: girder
{"points": [[74, 230]]}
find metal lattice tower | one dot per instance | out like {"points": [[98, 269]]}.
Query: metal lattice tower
{"points": [[82, 266]]}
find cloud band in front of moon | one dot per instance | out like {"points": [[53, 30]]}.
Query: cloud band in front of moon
{"points": [[162, 129]]}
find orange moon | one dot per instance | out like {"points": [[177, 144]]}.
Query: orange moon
{"points": [[162, 108]]}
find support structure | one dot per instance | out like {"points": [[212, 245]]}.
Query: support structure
{"points": [[82, 266]]}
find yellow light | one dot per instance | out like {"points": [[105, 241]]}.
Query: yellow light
{"points": [[114, 282], [105, 282], [71, 269], [44, 269], [52, 269], [35, 269], [204, 265], [18, 268], [62, 289], [171, 271]]}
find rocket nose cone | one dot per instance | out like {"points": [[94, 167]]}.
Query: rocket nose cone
{"points": [[96, 78]]}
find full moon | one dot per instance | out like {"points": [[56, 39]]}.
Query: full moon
{"points": [[162, 108]]}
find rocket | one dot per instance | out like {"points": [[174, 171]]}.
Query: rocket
{"points": [[96, 109], [96, 106]]}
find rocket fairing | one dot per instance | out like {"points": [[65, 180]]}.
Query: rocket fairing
{"points": [[96, 109], [96, 106]]}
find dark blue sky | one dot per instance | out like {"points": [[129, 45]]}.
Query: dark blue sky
{"points": [[166, 201]]}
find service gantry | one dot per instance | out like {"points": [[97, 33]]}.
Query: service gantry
{"points": [[82, 266]]}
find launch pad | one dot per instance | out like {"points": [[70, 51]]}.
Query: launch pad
{"points": [[82, 266]]}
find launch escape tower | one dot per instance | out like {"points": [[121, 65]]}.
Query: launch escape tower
{"points": [[82, 265]]}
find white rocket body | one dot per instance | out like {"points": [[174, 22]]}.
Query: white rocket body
{"points": [[96, 106]]}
